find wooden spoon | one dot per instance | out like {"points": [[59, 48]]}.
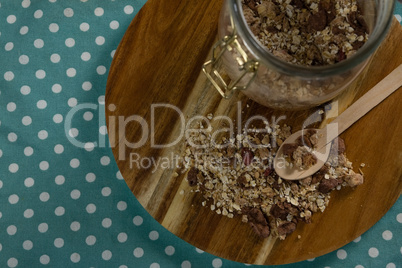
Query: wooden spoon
{"points": [[326, 135]]}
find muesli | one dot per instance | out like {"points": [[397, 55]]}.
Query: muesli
{"points": [[236, 177]]}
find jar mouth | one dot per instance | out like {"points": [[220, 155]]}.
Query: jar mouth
{"points": [[382, 25]]}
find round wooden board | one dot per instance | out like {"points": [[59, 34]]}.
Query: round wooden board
{"points": [[159, 61]]}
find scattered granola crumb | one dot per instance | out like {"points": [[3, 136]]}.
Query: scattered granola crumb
{"points": [[236, 177]]}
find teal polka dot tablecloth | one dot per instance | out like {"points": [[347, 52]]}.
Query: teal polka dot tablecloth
{"points": [[64, 206]]}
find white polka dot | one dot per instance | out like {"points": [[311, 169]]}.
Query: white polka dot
{"points": [[26, 120], [38, 43], [13, 167], [399, 217], [59, 211], [390, 265], [90, 177], [43, 227], [98, 11], [100, 40], [186, 264], [87, 86], [11, 230], [12, 137], [44, 197], [70, 42], [40, 74], [106, 191], [153, 235], [12, 262], [85, 56], [68, 12], [53, 27], [373, 252], [75, 257], [8, 76], [57, 118], [24, 59], [105, 160], [52, 1], [101, 99], [103, 130], [122, 237], [73, 132], [27, 245], [58, 149], [112, 53], [59, 180], [72, 102], [24, 30], [121, 205], [128, 9], [89, 146], [138, 252], [387, 235], [216, 263], [28, 213], [59, 242], [42, 104], [199, 250], [359, 266], [154, 265], [1, 154], [75, 194], [90, 240], [91, 208], [25, 90], [11, 106], [9, 46], [169, 250], [106, 255], [56, 88], [71, 72], [42, 134], [44, 165], [29, 182], [101, 70], [84, 26], [55, 58], [106, 222], [118, 175], [88, 116], [114, 25], [341, 254], [123, 266], [26, 3], [11, 19], [137, 220], [75, 226], [398, 17], [44, 259], [38, 14]]}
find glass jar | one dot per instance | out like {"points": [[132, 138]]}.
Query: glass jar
{"points": [[240, 62]]}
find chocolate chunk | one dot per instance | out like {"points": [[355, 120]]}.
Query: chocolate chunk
{"points": [[326, 186], [286, 228], [267, 172], [279, 211], [257, 221], [252, 4], [357, 44], [317, 21], [329, 7], [298, 3], [341, 55], [289, 148], [304, 141], [338, 146], [247, 156], [319, 175], [192, 176], [242, 181]]}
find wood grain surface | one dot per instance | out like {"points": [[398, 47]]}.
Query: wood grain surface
{"points": [[159, 61]]}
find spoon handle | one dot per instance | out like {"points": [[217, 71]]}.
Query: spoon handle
{"points": [[364, 104]]}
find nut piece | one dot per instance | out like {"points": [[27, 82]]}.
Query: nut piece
{"points": [[354, 179], [327, 185]]}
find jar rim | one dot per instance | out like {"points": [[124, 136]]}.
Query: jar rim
{"points": [[264, 56]]}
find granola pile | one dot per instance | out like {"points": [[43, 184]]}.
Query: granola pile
{"points": [[307, 32], [236, 177]]}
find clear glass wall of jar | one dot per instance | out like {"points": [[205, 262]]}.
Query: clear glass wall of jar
{"points": [[275, 83]]}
